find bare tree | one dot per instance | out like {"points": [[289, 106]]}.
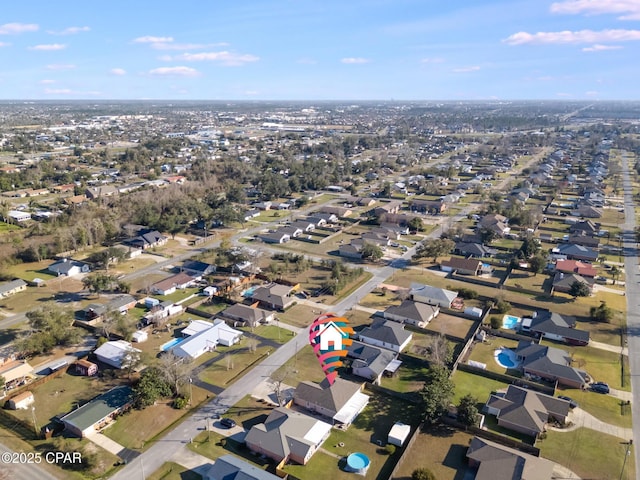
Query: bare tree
{"points": [[276, 382], [228, 361], [176, 371], [252, 344], [131, 361], [440, 350]]}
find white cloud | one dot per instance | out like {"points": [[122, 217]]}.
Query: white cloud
{"points": [[15, 28], [118, 71], [69, 31], [5, 44], [174, 71], [601, 48], [49, 47], [58, 91], [151, 39], [354, 60], [46, 81], [567, 36], [61, 66], [185, 46], [224, 57], [432, 60], [626, 9], [473, 68]]}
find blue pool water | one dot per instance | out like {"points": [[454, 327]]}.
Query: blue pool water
{"points": [[357, 461], [249, 291], [170, 344], [506, 358], [509, 321]]}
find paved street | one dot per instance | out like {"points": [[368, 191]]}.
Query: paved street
{"points": [[633, 299]]}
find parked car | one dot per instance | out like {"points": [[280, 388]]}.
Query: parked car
{"points": [[572, 402], [228, 423], [600, 387]]}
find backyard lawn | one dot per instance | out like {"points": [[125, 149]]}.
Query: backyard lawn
{"points": [[475, 385], [234, 362], [409, 377], [136, 428], [302, 366], [589, 454], [299, 315], [483, 352], [451, 325]]}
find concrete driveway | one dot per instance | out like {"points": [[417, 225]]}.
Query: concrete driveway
{"points": [[581, 419]]}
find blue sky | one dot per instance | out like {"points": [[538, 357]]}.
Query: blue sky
{"points": [[321, 50]]}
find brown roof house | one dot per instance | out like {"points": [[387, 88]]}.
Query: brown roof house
{"points": [[288, 436], [493, 461], [342, 401], [526, 411], [462, 266]]}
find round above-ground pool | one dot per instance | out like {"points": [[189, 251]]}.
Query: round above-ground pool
{"points": [[358, 463], [506, 358]]}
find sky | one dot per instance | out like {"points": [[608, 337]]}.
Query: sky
{"points": [[321, 50]]}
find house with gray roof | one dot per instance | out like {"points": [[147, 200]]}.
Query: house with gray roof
{"points": [[99, 412], [11, 288], [555, 326], [230, 467], [371, 362], [386, 334], [68, 267], [526, 411], [341, 401], [492, 461], [472, 249], [288, 436], [577, 252], [412, 313], [563, 282], [550, 363], [247, 315], [432, 295], [274, 296]]}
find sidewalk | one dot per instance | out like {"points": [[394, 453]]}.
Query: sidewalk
{"points": [[106, 443]]}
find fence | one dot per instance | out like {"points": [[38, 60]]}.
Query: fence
{"points": [[503, 377], [406, 448]]}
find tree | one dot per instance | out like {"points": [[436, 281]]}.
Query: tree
{"points": [[615, 273], [416, 224], [579, 289], [422, 474], [487, 235], [502, 306], [434, 248], [175, 370], [467, 410], [2, 381], [131, 361], [537, 263], [440, 350], [602, 313], [530, 246], [276, 382], [50, 326], [371, 251], [151, 387], [436, 393]]}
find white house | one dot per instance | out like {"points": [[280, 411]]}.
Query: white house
{"points": [[432, 295], [207, 340], [115, 353], [18, 216]]}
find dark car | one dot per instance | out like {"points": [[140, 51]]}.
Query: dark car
{"points": [[227, 423], [572, 402], [600, 387]]}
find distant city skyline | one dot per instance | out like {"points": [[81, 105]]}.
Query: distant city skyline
{"points": [[330, 50]]}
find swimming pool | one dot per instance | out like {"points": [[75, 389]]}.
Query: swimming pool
{"points": [[170, 344], [249, 291], [358, 463], [511, 322], [505, 358]]}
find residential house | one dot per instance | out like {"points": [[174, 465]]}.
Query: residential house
{"points": [[179, 281], [563, 282], [145, 239], [121, 303], [86, 368], [413, 313], [555, 326], [99, 412], [549, 363], [317, 221], [526, 411], [207, 340], [461, 266], [288, 436], [102, 191], [477, 250], [275, 237], [68, 267], [249, 214], [576, 252], [116, 353], [247, 315], [94, 312], [338, 211], [584, 239], [341, 401], [230, 467], [290, 230], [432, 295], [352, 250], [11, 288], [587, 211], [198, 269], [392, 206], [586, 270], [427, 206], [492, 461], [195, 326], [18, 216], [371, 362], [496, 223], [274, 296], [327, 217], [586, 226], [386, 334], [304, 225], [15, 373]]}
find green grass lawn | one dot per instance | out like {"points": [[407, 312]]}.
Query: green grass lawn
{"points": [[180, 295], [588, 453], [213, 445], [604, 407], [527, 280], [270, 332], [173, 471], [451, 325], [137, 427], [409, 377], [475, 385], [302, 366], [232, 366], [29, 271], [441, 449], [7, 227], [484, 353]]}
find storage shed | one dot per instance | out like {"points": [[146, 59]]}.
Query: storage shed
{"points": [[398, 434], [22, 401], [139, 336]]}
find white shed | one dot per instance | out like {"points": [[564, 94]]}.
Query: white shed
{"points": [[473, 312], [139, 336], [398, 434]]}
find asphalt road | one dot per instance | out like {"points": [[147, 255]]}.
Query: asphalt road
{"points": [[632, 286], [21, 471]]}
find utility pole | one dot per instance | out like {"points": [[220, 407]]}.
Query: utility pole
{"points": [[626, 455]]}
